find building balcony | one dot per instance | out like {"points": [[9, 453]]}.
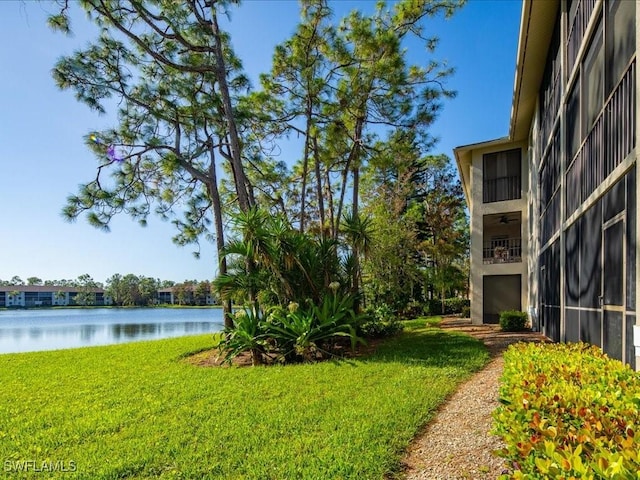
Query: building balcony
{"points": [[502, 238], [501, 189], [508, 250]]}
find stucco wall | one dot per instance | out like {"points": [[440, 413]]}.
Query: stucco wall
{"points": [[478, 210]]}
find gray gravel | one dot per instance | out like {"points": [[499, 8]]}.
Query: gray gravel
{"points": [[457, 443]]}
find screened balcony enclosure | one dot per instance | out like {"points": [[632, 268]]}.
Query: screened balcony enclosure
{"points": [[502, 238], [501, 176]]}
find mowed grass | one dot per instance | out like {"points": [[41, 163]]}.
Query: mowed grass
{"points": [[140, 411]]}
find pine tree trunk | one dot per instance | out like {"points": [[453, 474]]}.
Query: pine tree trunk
{"points": [[241, 181], [214, 194], [316, 161], [305, 169], [329, 193]]}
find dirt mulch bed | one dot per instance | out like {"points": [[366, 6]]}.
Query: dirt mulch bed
{"points": [[215, 358], [495, 340]]}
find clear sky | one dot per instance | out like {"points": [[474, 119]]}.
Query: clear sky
{"points": [[43, 157]]}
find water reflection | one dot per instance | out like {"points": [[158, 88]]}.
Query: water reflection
{"points": [[32, 330], [35, 333], [87, 332], [133, 330]]}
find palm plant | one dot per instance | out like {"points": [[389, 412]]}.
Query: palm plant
{"points": [[276, 263], [247, 334], [358, 235]]}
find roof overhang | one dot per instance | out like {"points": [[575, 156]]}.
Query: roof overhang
{"points": [[536, 30], [537, 22]]}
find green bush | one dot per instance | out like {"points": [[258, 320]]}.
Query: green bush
{"points": [[466, 312], [513, 321], [433, 307], [455, 305], [414, 309], [381, 322], [568, 411]]}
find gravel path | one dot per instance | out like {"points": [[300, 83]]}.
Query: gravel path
{"points": [[457, 443]]}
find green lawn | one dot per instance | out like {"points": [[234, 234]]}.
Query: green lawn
{"points": [[139, 411]]}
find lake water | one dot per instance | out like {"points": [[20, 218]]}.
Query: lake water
{"points": [[51, 329]]}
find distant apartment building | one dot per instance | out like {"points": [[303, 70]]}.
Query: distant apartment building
{"points": [[553, 206], [183, 296], [48, 296]]}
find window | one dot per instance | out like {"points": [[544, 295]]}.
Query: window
{"points": [[502, 176]]}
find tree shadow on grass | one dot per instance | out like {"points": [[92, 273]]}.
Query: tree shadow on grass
{"points": [[432, 347]]}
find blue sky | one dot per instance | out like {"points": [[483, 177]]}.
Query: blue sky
{"points": [[43, 157]]}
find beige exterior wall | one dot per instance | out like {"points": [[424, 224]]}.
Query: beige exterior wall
{"points": [[477, 211]]}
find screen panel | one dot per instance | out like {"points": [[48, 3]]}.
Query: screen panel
{"points": [[500, 293], [613, 274], [614, 201], [591, 327], [612, 334], [630, 351], [631, 239], [572, 265], [590, 257], [572, 325]]}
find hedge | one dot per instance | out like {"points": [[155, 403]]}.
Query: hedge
{"points": [[513, 321], [568, 411], [452, 306]]}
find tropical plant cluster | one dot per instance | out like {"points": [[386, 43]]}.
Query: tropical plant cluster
{"points": [[294, 334], [568, 411], [295, 287]]}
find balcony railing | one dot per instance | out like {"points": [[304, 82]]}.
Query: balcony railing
{"points": [[507, 250], [621, 122], [577, 27], [610, 140], [501, 188]]}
